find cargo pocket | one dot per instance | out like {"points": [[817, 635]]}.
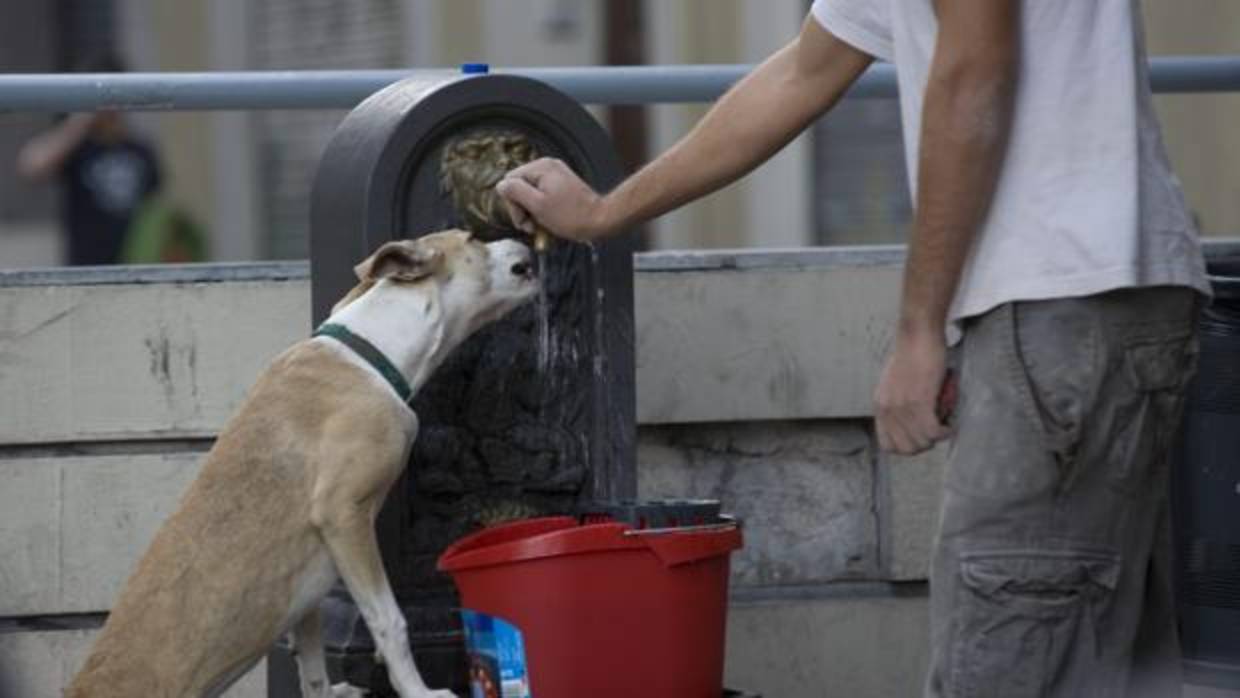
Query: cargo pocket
{"points": [[1020, 616], [1059, 365], [1157, 372]]}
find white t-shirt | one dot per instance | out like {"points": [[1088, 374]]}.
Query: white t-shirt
{"points": [[1086, 201]]}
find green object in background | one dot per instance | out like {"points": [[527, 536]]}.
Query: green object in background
{"points": [[163, 233]]}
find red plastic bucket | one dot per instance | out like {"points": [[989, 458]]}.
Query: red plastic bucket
{"points": [[605, 611]]}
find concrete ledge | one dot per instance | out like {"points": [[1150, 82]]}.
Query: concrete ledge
{"points": [[39, 664], [722, 336], [821, 258], [155, 274], [762, 344], [137, 361], [727, 341]]}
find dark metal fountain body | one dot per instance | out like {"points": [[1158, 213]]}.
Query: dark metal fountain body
{"points": [[500, 437]]}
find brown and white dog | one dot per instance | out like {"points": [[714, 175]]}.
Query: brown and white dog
{"points": [[286, 500]]}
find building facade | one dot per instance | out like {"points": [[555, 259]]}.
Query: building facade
{"points": [[246, 176]]}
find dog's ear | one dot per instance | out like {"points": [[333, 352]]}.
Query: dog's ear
{"points": [[402, 260]]}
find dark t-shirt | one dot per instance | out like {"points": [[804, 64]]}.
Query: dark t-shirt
{"points": [[104, 183]]}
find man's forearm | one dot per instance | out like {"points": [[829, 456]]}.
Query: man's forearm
{"points": [[966, 118], [966, 115], [749, 124], [44, 155]]}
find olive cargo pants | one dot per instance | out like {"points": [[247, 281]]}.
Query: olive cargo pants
{"points": [[1052, 573]]}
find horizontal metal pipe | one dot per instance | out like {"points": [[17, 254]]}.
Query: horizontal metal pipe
{"points": [[316, 89], [1180, 74], [343, 89]]}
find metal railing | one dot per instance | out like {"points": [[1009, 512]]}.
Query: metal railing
{"points": [[344, 89]]}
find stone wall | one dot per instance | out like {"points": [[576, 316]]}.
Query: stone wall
{"points": [[112, 385], [754, 373], [123, 376], [828, 595]]}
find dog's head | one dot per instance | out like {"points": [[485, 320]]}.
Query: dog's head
{"points": [[471, 281]]}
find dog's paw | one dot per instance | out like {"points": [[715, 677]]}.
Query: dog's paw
{"points": [[438, 694], [344, 690]]}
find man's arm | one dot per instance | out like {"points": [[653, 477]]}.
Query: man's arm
{"points": [[45, 154], [749, 124], [966, 118]]}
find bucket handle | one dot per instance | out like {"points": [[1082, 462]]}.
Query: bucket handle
{"points": [[726, 523], [674, 548]]}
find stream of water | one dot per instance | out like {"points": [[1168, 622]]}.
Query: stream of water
{"points": [[543, 312]]}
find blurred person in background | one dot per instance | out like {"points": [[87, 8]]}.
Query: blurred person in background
{"points": [[105, 171]]}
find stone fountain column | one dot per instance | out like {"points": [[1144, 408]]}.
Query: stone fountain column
{"points": [[520, 421]]}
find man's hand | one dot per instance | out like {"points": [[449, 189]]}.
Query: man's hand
{"points": [[907, 400], [547, 193]]}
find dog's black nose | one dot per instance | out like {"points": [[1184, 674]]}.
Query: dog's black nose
{"points": [[523, 269]]}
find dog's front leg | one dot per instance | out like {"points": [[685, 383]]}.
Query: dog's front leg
{"points": [[351, 539]]}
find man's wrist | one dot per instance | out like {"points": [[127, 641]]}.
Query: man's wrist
{"points": [[923, 326], [605, 221]]}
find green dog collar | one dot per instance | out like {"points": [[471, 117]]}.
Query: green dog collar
{"points": [[370, 354]]}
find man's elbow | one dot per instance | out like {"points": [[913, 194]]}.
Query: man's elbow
{"points": [[992, 70], [981, 84]]}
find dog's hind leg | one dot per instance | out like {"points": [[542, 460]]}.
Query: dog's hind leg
{"points": [[355, 550], [307, 640], [307, 636]]}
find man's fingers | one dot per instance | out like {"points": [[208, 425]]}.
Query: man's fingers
{"points": [[924, 429], [892, 435], [521, 192], [522, 199], [519, 217], [528, 171], [909, 431], [534, 170], [930, 426], [880, 430], [901, 442], [925, 426]]}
